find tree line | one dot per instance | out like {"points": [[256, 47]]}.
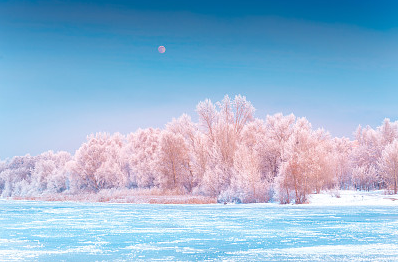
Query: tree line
{"points": [[228, 154]]}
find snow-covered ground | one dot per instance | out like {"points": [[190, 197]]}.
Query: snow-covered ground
{"points": [[73, 231], [353, 198]]}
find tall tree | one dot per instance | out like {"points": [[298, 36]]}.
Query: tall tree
{"points": [[389, 165]]}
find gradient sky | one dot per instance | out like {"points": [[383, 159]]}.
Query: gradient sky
{"points": [[70, 68]]}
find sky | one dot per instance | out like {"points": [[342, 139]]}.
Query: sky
{"points": [[71, 68]]}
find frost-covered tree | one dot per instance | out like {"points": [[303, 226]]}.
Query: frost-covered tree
{"points": [[389, 165], [184, 126], [258, 138], [306, 163], [193, 144], [97, 163], [16, 176], [217, 176], [200, 157], [279, 128], [174, 162], [363, 177], [388, 132], [248, 184], [294, 173], [141, 154], [207, 116], [223, 124], [228, 154], [367, 151], [50, 174], [342, 153]]}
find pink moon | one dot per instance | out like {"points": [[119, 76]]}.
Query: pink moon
{"points": [[161, 49]]}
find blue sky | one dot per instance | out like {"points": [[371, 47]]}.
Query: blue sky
{"points": [[70, 68]]}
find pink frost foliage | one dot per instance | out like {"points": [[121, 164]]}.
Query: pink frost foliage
{"points": [[388, 164], [140, 155], [228, 154]]}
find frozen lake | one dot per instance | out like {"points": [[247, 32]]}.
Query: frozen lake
{"points": [[56, 231]]}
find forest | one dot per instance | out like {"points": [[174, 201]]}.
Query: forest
{"points": [[229, 155]]}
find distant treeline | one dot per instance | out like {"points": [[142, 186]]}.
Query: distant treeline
{"points": [[229, 154]]}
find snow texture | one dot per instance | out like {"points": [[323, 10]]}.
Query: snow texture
{"points": [[70, 231]]}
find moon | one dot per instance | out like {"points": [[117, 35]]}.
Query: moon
{"points": [[161, 49]]}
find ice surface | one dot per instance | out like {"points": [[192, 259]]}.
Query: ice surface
{"points": [[56, 231]]}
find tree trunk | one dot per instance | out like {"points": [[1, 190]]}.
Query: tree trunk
{"points": [[395, 181], [296, 190], [174, 174]]}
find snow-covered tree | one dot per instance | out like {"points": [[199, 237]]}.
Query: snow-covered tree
{"points": [[207, 116], [388, 132], [248, 184], [279, 129], [342, 153], [217, 176], [306, 163], [16, 176], [49, 173], [97, 163], [174, 162], [141, 154], [228, 154], [389, 165]]}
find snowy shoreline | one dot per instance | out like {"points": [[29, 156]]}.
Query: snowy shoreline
{"points": [[353, 198], [126, 199], [325, 198]]}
